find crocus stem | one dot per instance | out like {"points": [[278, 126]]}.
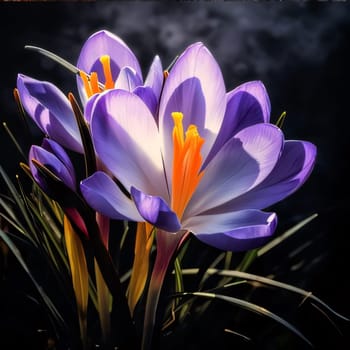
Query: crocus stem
{"points": [[167, 245]]}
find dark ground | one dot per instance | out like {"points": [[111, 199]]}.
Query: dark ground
{"points": [[299, 50]]}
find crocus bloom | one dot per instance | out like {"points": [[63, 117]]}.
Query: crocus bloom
{"points": [[53, 157], [105, 62], [209, 166]]}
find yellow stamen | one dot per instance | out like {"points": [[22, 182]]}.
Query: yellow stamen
{"points": [[187, 162], [106, 64], [166, 74], [94, 83], [86, 83]]}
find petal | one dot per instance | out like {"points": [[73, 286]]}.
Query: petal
{"points": [[60, 153], [247, 105], [52, 163], [147, 96], [127, 79], [235, 231], [105, 43], [89, 106], [126, 139], [104, 196], [155, 211], [291, 171], [196, 88], [51, 111], [241, 164], [155, 77]]}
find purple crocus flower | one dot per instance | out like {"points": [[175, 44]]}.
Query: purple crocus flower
{"points": [[212, 180], [105, 62], [51, 155], [208, 164]]}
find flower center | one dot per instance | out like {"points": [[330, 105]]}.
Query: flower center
{"points": [[187, 162], [91, 83]]}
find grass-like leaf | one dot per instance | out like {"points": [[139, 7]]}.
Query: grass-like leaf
{"points": [[248, 276], [18, 201], [89, 151], [252, 308], [14, 140], [79, 273], [56, 316], [278, 240]]}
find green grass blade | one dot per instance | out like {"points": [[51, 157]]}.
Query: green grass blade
{"points": [[53, 311], [252, 308], [281, 119], [247, 276], [267, 247], [14, 140], [18, 200]]}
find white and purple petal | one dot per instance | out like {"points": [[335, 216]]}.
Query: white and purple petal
{"points": [[147, 96], [241, 164], [291, 171], [128, 79], [155, 211], [54, 164], [51, 111], [105, 197], [248, 104], [126, 139], [155, 77], [194, 87], [234, 231], [56, 149]]}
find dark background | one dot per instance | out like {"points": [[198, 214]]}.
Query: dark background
{"points": [[300, 50]]}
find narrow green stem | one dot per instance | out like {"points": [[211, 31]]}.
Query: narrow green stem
{"points": [[167, 245]]}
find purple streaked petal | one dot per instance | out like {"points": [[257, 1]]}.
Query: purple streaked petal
{"points": [[89, 106], [50, 161], [105, 197], [127, 79], [51, 111], [147, 96], [60, 153], [236, 231], [241, 164], [105, 43], [248, 104], [291, 171], [194, 87], [126, 139], [155, 211], [155, 77]]}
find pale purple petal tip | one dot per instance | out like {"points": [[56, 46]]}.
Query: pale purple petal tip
{"points": [[155, 211], [127, 79], [51, 111], [242, 238], [155, 77], [105, 43], [248, 104], [104, 196], [54, 164]]}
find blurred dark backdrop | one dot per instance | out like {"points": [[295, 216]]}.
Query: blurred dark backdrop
{"points": [[300, 50]]}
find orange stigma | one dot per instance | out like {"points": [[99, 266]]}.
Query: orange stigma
{"points": [[187, 162], [91, 82]]}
